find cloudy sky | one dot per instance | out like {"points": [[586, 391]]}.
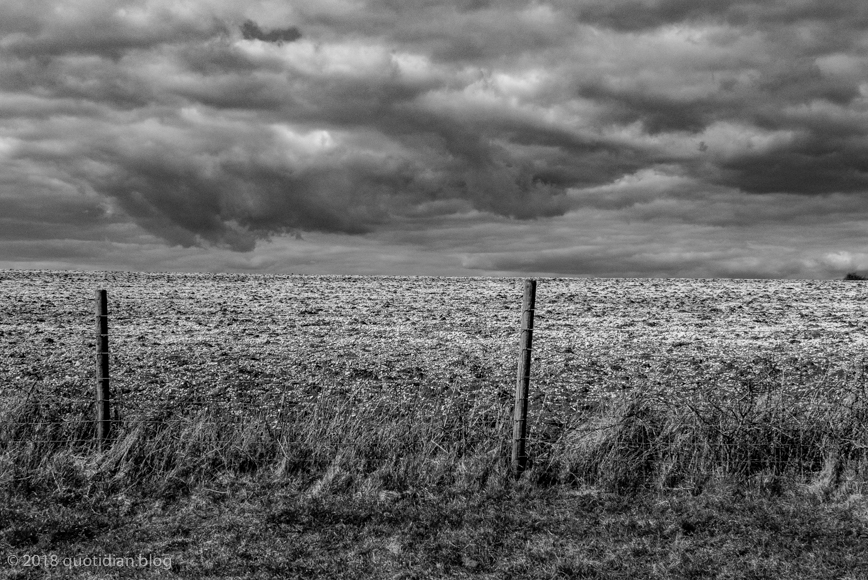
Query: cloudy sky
{"points": [[670, 138]]}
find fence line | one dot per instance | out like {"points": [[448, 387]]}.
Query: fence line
{"points": [[550, 370]]}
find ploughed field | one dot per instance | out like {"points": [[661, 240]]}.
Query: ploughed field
{"points": [[253, 341]]}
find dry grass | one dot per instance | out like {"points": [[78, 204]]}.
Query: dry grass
{"points": [[651, 483]]}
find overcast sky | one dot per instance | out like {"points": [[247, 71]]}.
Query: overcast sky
{"points": [[670, 138]]}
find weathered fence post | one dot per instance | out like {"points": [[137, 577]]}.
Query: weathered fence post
{"points": [[103, 396], [519, 427]]}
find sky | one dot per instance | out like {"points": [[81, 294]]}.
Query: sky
{"points": [[603, 138]]}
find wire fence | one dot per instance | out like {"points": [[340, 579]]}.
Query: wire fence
{"points": [[242, 346]]}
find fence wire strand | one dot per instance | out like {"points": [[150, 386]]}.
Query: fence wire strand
{"points": [[179, 315]]}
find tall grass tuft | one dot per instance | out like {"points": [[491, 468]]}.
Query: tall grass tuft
{"points": [[664, 438]]}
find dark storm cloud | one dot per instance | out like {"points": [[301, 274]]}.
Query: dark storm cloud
{"points": [[657, 113], [813, 166], [638, 15], [188, 208], [251, 31], [802, 81], [635, 15], [195, 192]]}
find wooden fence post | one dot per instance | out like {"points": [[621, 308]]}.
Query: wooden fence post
{"points": [[519, 427], [103, 395]]}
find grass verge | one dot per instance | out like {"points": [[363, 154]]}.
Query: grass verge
{"points": [[747, 483]]}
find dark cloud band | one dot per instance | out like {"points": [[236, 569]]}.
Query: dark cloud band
{"points": [[219, 125]]}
